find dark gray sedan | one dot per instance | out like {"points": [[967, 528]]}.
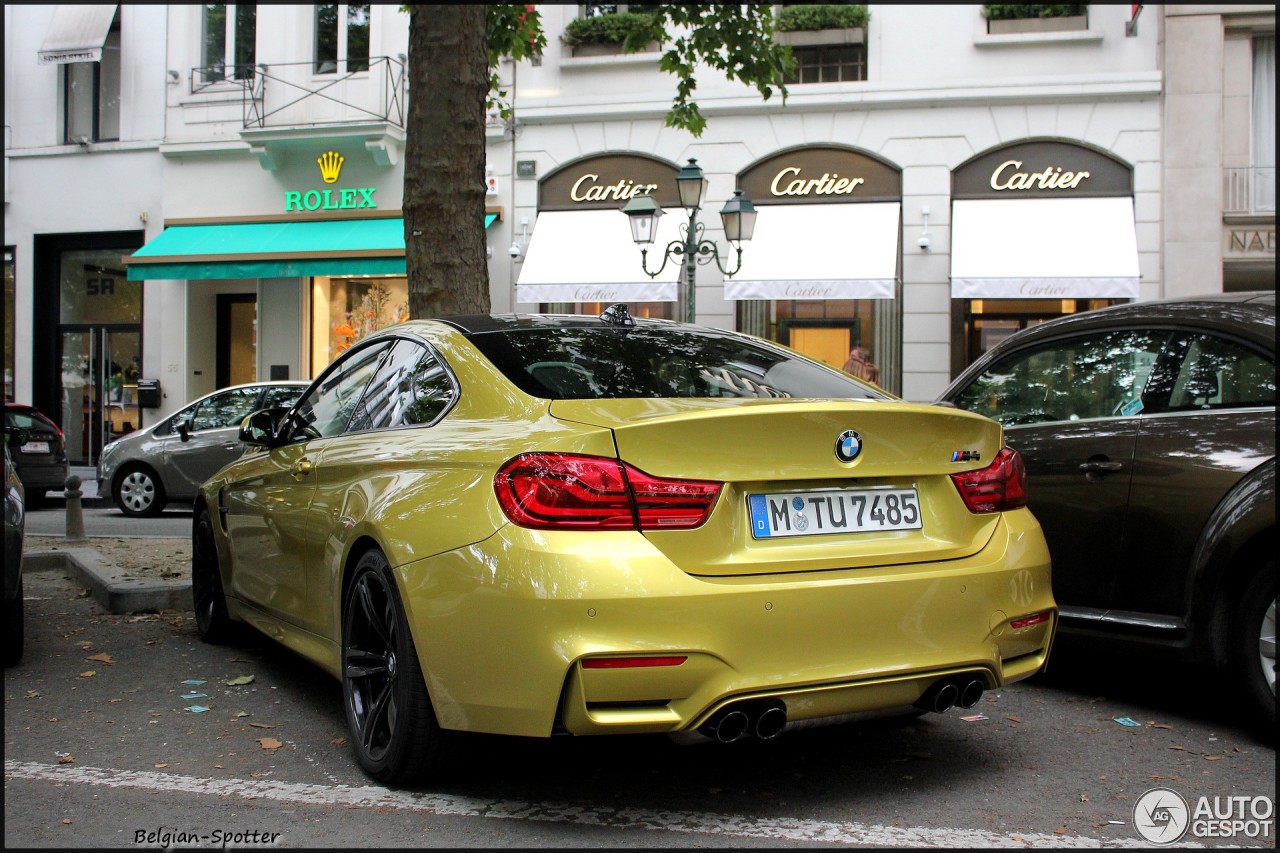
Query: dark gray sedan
{"points": [[1149, 436], [14, 531], [169, 460]]}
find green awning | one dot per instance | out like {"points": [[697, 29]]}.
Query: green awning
{"points": [[293, 249]]}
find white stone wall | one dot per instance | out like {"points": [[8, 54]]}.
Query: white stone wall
{"points": [[939, 91]]}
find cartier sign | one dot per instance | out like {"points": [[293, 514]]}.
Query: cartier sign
{"points": [[608, 181], [1009, 176], [821, 175], [1042, 169]]}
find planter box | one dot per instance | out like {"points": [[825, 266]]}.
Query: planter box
{"points": [[811, 38], [610, 49], [1037, 25]]}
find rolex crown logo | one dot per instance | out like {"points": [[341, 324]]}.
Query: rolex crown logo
{"points": [[330, 166]]}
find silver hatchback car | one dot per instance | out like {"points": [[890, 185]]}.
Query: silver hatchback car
{"points": [[169, 460]]}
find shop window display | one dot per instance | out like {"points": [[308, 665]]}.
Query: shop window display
{"points": [[344, 310]]}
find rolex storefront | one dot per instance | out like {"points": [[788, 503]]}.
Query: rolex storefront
{"points": [[312, 261], [288, 288]]}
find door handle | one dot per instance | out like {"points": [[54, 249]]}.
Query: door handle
{"points": [[1101, 467], [301, 469]]}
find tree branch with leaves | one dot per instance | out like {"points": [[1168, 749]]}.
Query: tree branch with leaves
{"points": [[454, 53]]}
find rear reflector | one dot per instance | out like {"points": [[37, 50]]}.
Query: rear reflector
{"points": [[623, 663], [554, 491], [1028, 621], [1000, 486]]}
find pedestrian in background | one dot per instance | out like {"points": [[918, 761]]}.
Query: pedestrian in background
{"points": [[861, 365]]}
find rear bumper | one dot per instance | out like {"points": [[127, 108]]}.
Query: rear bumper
{"points": [[44, 477], [502, 629]]}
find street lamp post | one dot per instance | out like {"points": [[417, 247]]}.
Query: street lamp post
{"points": [[738, 216]]}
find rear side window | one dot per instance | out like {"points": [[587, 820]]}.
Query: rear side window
{"points": [[410, 388], [1216, 373], [224, 410], [282, 396], [565, 363]]}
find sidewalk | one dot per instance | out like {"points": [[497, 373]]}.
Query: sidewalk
{"points": [[88, 485]]}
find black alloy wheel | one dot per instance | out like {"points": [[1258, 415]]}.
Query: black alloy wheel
{"points": [[210, 601], [394, 731]]}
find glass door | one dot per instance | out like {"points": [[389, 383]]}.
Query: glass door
{"points": [[99, 388]]}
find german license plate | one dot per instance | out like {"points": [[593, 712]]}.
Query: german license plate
{"points": [[35, 447], [833, 511]]}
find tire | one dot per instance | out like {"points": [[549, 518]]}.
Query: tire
{"points": [[394, 731], [139, 493], [212, 622], [14, 632], [1253, 645]]}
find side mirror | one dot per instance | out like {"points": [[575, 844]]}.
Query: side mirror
{"points": [[261, 428], [184, 430]]}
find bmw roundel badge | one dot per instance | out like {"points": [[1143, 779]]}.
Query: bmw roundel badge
{"points": [[848, 446]]}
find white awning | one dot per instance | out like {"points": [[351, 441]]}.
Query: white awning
{"points": [[76, 34], [820, 251], [1044, 248], [589, 256]]}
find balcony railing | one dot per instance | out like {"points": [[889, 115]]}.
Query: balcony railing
{"points": [[292, 94], [1249, 189]]}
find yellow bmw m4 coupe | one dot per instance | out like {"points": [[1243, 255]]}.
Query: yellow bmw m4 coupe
{"points": [[548, 525]]}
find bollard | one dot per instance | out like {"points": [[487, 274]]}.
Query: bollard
{"points": [[75, 512]]}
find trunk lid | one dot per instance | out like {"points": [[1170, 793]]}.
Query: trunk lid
{"points": [[787, 448]]}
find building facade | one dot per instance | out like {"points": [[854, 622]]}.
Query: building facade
{"points": [[223, 204]]}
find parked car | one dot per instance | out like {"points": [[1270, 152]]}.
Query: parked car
{"points": [[147, 468], [38, 449], [14, 528], [568, 525], [1149, 435]]}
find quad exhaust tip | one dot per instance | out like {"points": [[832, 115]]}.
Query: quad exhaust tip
{"points": [[763, 719], [946, 694]]}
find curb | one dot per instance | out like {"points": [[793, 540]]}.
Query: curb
{"points": [[109, 585]]}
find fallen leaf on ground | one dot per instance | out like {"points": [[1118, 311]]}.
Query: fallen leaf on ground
{"points": [[102, 657], [65, 759], [263, 725], [1183, 748], [339, 741], [1013, 719], [270, 743], [1213, 758], [244, 679], [88, 673], [159, 766]]}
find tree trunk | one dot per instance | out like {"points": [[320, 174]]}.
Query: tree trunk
{"points": [[444, 169]]}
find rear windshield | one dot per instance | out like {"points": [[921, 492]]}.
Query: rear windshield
{"points": [[561, 363]]}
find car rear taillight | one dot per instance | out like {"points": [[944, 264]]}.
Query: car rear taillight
{"points": [[556, 491], [1000, 486]]}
